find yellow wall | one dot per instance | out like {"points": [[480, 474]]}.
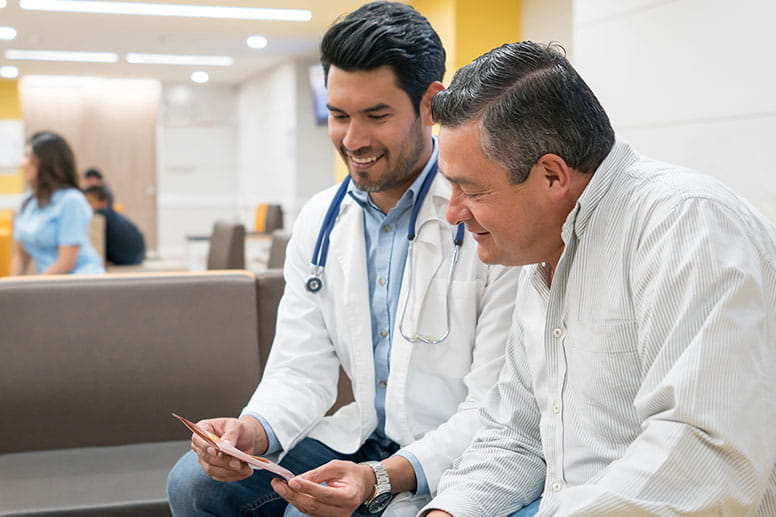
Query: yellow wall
{"points": [[469, 28], [10, 108]]}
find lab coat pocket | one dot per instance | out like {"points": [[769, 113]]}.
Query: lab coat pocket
{"points": [[453, 317]]}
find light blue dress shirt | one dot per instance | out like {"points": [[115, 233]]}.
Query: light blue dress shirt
{"points": [[64, 221], [386, 242]]}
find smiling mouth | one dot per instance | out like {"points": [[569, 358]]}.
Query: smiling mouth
{"points": [[364, 160]]}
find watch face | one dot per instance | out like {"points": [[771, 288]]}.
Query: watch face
{"points": [[379, 502]]}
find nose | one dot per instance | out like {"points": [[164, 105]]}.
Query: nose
{"points": [[356, 136], [456, 210]]}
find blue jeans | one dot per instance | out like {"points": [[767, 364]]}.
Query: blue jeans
{"points": [[527, 511], [191, 492]]}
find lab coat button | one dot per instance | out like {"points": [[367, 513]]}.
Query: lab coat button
{"points": [[556, 408], [557, 487], [557, 332]]}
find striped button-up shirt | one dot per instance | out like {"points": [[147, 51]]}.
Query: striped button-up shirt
{"points": [[641, 379]]}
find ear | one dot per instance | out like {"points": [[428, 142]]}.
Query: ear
{"points": [[556, 175], [425, 102]]}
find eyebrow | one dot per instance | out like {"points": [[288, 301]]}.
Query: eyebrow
{"points": [[457, 180], [377, 107]]}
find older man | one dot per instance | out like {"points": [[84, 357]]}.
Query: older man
{"points": [[641, 376]]}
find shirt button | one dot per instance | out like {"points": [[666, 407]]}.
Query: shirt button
{"points": [[383, 384], [556, 487], [386, 228], [381, 281], [383, 332], [556, 408], [557, 332]]}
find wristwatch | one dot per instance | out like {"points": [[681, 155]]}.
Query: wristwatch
{"points": [[382, 495]]}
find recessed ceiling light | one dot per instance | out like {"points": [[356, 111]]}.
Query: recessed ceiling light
{"points": [[2, 4], [257, 42], [200, 77], [61, 55], [178, 59], [7, 33], [155, 9], [9, 72]]}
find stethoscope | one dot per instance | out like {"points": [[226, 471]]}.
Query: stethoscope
{"points": [[314, 282]]}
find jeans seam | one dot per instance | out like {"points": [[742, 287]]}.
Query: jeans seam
{"points": [[252, 507]]}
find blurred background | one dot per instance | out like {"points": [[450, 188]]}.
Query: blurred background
{"points": [[196, 116]]}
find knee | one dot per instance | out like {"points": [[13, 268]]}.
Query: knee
{"points": [[186, 482]]}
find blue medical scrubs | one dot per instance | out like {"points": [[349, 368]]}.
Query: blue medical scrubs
{"points": [[64, 221]]}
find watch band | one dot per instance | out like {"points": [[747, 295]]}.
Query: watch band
{"points": [[382, 494]]}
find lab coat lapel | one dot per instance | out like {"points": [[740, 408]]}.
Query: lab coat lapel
{"points": [[429, 256], [350, 257], [429, 242]]}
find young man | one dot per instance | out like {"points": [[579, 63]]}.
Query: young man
{"points": [[420, 344], [94, 178], [641, 377], [124, 242]]}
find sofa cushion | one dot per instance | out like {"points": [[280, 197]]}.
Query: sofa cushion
{"points": [[90, 481], [100, 361]]}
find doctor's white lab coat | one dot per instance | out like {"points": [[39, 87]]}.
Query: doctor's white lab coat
{"points": [[433, 391]]}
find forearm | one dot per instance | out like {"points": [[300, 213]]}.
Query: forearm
{"points": [[400, 473], [66, 260]]}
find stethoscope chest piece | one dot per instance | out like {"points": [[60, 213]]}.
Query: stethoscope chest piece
{"points": [[313, 283]]}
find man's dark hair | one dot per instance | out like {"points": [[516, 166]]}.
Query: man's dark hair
{"points": [[530, 101], [387, 33], [98, 191], [93, 173]]}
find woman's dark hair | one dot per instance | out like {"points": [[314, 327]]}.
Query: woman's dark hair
{"points": [[56, 165], [530, 101], [387, 33]]}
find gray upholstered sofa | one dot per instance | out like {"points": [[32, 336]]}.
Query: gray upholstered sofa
{"points": [[91, 368]]}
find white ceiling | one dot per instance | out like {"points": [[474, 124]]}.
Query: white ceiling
{"points": [[168, 35]]}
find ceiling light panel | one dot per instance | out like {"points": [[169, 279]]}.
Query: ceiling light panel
{"points": [[7, 33], [256, 42], [156, 9], [61, 55], [9, 72], [178, 59]]}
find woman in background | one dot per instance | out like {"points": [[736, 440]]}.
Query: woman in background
{"points": [[52, 226]]}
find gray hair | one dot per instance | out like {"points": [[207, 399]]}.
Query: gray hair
{"points": [[530, 101]]}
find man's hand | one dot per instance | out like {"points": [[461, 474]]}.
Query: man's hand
{"points": [[347, 485], [245, 433], [438, 513]]}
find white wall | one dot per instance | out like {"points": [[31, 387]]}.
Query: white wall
{"points": [[285, 158], [223, 150], [688, 81], [544, 21], [197, 158]]}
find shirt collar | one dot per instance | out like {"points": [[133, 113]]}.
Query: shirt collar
{"points": [[621, 156], [362, 197]]}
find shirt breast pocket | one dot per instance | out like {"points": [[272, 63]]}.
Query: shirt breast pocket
{"points": [[604, 363]]}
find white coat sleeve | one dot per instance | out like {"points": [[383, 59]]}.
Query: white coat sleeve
{"points": [[439, 448], [299, 383], [503, 468]]}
